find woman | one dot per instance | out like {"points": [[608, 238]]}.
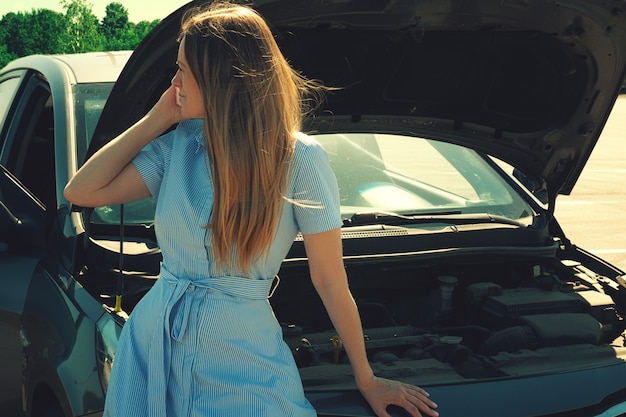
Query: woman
{"points": [[235, 182]]}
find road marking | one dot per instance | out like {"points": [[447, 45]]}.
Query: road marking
{"points": [[606, 250], [562, 202]]}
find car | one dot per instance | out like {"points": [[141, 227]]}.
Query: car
{"points": [[452, 127], [56, 338]]}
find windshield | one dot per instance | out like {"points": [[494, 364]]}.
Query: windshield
{"points": [[399, 174], [412, 176], [89, 101]]}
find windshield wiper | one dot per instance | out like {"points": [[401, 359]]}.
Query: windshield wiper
{"points": [[449, 217]]}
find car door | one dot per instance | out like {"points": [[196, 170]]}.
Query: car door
{"points": [[26, 181]]}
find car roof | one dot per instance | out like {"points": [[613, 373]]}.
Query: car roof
{"points": [[84, 68]]}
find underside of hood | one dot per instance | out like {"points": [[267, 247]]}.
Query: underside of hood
{"points": [[529, 82]]}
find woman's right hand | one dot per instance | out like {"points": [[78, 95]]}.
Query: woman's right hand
{"points": [[167, 110], [380, 393]]}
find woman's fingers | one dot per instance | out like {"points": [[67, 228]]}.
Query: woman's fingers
{"points": [[414, 400]]}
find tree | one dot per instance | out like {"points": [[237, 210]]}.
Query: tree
{"points": [[81, 33], [37, 32], [14, 29], [116, 30], [115, 20], [5, 56], [47, 27], [144, 27], [118, 33], [44, 31]]}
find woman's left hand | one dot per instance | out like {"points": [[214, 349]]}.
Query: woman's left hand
{"points": [[381, 393]]}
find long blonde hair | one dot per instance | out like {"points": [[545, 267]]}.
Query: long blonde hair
{"points": [[254, 102]]}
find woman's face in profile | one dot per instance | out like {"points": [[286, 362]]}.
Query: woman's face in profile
{"points": [[188, 95]]}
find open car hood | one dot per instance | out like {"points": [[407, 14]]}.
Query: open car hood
{"points": [[529, 82]]}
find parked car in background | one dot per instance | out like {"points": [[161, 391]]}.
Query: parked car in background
{"points": [[465, 281]]}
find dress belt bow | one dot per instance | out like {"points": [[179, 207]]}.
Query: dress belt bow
{"points": [[160, 346]]}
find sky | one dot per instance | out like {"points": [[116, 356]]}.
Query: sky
{"points": [[137, 9]]}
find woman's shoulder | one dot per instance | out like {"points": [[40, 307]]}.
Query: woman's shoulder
{"points": [[306, 145], [305, 140], [309, 155]]}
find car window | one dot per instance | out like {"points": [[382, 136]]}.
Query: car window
{"points": [[29, 148], [8, 87], [433, 167], [89, 102], [412, 175]]}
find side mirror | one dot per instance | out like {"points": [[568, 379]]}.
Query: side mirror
{"points": [[22, 215]]}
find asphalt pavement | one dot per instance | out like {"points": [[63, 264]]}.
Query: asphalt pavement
{"points": [[593, 216]]}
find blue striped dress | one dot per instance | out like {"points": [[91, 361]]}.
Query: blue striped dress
{"points": [[199, 344]]}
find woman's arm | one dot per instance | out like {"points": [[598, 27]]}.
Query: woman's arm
{"points": [[329, 278], [109, 177]]}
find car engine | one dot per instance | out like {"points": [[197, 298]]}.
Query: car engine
{"points": [[441, 323]]}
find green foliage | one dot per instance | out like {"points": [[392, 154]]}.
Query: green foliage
{"points": [[115, 20], [5, 55], [81, 33], [32, 33], [78, 30], [116, 29]]}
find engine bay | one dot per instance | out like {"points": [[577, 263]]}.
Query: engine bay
{"points": [[446, 323], [437, 321]]}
